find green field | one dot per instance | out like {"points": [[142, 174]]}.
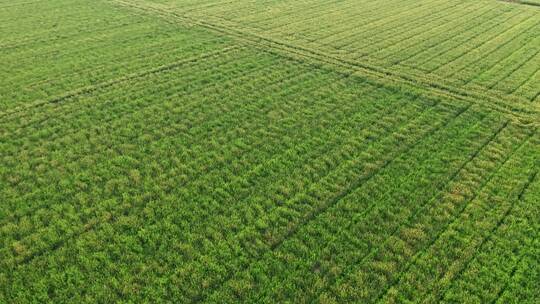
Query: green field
{"points": [[217, 151]]}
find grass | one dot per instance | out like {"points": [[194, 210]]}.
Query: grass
{"points": [[260, 151], [483, 46]]}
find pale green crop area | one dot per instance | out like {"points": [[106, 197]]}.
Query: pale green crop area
{"points": [[272, 151]]}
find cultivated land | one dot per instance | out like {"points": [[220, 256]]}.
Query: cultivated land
{"points": [[269, 151]]}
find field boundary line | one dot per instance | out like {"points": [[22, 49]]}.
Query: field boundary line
{"points": [[522, 2], [111, 82], [518, 111]]}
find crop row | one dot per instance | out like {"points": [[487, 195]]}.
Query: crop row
{"points": [[477, 25], [28, 139], [97, 58], [492, 271], [464, 237], [361, 42], [272, 220], [77, 117], [521, 286], [23, 26], [174, 173], [35, 115], [74, 152], [202, 169], [142, 102], [457, 41], [429, 85], [175, 214], [324, 250], [525, 60], [347, 15]]}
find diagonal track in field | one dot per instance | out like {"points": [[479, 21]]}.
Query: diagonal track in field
{"points": [[352, 222], [414, 215], [440, 292], [516, 110], [355, 184], [124, 113], [455, 218], [39, 122], [94, 222], [112, 82], [513, 272], [522, 2], [524, 189]]}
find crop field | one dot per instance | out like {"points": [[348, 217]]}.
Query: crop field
{"points": [[271, 151], [487, 49]]}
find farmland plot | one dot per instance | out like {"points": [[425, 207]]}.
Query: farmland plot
{"points": [[147, 155], [484, 47]]}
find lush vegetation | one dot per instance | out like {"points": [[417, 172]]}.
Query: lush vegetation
{"points": [[259, 151], [485, 47]]}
